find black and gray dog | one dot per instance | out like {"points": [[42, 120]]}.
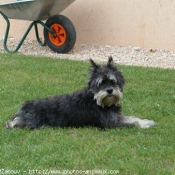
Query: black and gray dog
{"points": [[98, 105]]}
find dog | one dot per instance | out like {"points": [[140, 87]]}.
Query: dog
{"points": [[97, 105]]}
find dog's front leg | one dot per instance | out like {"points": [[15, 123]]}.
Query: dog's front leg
{"points": [[134, 121]]}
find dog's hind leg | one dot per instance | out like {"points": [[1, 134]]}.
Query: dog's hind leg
{"points": [[142, 123], [16, 122]]}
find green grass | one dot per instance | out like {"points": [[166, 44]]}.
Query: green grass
{"points": [[149, 93]]}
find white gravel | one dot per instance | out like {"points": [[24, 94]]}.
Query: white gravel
{"points": [[122, 55]]}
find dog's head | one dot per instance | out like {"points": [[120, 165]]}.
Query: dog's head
{"points": [[106, 83]]}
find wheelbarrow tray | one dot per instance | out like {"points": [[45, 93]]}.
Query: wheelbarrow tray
{"points": [[33, 10]]}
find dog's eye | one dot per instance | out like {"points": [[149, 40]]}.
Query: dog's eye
{"points": [[112, 82], [103, 82], [107, 82]]}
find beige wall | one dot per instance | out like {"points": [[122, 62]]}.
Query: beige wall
{"points": [[144, 23]]}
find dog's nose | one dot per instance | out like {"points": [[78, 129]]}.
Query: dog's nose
{"points": [[109, 90]]}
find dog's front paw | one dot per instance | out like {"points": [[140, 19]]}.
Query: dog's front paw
{"points": [[145, 123]]}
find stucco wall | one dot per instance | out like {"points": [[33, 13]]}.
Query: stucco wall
{"points": [[144, 23]]}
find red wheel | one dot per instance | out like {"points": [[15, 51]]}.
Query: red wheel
{"points": [[65, 35], [60, 37]]}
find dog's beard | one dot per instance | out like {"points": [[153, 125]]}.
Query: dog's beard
{"points": [[104, 99]]}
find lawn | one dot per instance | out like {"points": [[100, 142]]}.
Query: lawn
{"points": [[149, 93]]}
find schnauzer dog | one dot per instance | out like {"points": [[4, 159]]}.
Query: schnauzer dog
{"points": [[98, 105]]}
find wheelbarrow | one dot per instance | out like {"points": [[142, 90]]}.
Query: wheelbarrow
{"points": [[59, 32]]}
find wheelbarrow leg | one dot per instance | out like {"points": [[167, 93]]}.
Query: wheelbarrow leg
{"points": [[7, 33], [25, 35], [37, 36]]}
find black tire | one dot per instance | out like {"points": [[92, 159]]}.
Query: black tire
{"points": [[70, 34]]}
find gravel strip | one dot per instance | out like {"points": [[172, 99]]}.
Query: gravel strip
{"points": [[122, 55]]}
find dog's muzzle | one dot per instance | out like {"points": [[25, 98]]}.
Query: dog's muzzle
{"points": [[108, 97]]}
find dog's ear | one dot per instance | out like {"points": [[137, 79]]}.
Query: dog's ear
{"points": [[110, 62], [93, 64]]}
